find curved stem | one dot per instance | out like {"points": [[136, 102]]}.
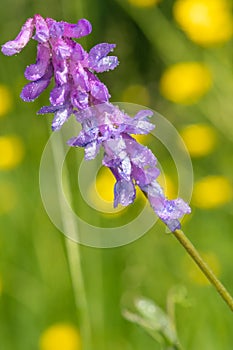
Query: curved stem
{"points": [[191, 250]]}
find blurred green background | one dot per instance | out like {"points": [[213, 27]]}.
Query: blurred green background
{"points": [[176, 58]]}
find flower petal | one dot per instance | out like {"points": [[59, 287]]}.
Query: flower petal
{"points": [[106, 64], [99, 51], [99, 91], [78, 53], [173, 209], [79, 75], [61, 117], [80, 99], [78, 30], [42, 30], [47, 109], [15, 46], [124, 168], [144, 177], [62, 49], [32, 90], [169, 211], [143, 114], [124, 193], [140, 155], [97, 59], [115, 151], [59, 95], [37, 70], [56, 29], [91, 150], [139, 124], [60, 71], [173, 224]]}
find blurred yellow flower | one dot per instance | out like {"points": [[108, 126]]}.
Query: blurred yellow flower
{"points": [[11, 152], [60, 337], [105, 182], [185, 82], [143, 3], [211, 192], [136, 94], [168, 185], [8, 197], [101, 192], [5, 100], [143, 139], [195, 274], [206, 22], [200, 139]]}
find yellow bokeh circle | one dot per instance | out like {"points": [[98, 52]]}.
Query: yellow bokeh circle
{"points": [[60, 337], [5, 100], [206, 22], [144, 3], [101, 193], [200, 139], [211, 192], [168, 184], [185, 82], [104, 183], [144, 139], [11, 152]]}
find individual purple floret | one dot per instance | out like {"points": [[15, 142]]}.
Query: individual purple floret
{"points": [[77, 90]]}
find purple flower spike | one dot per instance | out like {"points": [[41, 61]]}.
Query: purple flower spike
{"points": [[15, 46], [98, 59], [77, 90], [37, 70]]}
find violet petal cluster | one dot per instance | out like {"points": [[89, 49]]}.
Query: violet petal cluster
{"points": [[131, 163], [65, 60], [77, 90]]}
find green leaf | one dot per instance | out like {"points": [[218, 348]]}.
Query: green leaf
{"points": [[154, 321]]}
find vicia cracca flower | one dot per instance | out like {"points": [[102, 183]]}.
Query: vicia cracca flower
{"points": [[77, 90]]}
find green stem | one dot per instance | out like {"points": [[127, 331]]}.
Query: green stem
{"points": [[191, 250], [73, 249], [74, 258]]}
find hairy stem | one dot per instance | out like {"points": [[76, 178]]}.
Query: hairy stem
{"points": [[191, 250]]}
